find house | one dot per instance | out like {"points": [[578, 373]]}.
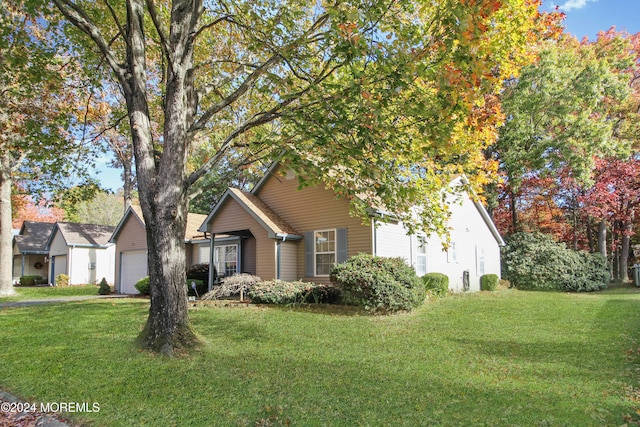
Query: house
{"points": [[289, 233], [130, 241], [82, 252], [30, 255]]}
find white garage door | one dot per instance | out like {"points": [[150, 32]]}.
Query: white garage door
{"points": [[133, 267]]}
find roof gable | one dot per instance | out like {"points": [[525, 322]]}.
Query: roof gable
{"points": [[88, 235], [263, 214], [33, 237], [135, 213]]}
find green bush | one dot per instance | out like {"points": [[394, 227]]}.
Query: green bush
{"points": [[489, 282], [535, 261], [62, 280], [104, 289], [378, 284], [31, 280], [436, 283], [143, 286], [282, 292]]}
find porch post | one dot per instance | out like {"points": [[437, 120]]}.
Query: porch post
{"points": [[212, 244]]}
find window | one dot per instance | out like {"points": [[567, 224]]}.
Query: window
{"points": [[421, 259], [225, 259], [325, 251], [452, 253], [479, 261]]}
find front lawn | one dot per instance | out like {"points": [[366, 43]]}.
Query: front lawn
{"points": [[43, 292], [488, 359]]}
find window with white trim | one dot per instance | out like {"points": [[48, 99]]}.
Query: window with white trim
{"points": [[479, 261], [421, 257], [324, 251], [225, 259], [452, 253]]}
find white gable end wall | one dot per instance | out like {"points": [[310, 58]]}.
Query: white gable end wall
{"points": [[474, 248]]}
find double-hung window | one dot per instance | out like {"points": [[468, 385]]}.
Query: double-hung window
{"points": [[421, 257], [324, 251], [225, 258]]}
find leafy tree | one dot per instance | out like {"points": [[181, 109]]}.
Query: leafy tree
{"points": [[560, 113], [37, 104], [104, 209], [394, 98]]}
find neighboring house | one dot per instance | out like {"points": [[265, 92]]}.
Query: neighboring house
{"points": [[131, 248], [289, 233], [30, 255], [82, 252]]}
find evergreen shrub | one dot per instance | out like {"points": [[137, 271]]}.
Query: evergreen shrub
{"points": [[436, 284], [535, 261], [489, 282], [378, 284]]}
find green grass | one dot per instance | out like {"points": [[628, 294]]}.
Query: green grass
{"points": [[506, 358], [44, 292]]}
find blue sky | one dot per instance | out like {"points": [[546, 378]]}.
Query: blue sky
{"points": [[587, 17]]}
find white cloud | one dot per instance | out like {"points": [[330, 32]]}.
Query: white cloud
{"points": [[574, 4]]}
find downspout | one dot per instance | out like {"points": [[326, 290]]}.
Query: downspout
{"points": [[70, 264], [211, 266], [23, 258], [374, 236], [278, 254]]}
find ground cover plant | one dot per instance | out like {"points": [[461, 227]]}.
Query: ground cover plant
{"points": [[509, 357], [44, 292]]}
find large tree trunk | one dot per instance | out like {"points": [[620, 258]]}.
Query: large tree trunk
{"points": [[128, 181], [6, 250], [623, 274], [602, 237], [514, 212]]}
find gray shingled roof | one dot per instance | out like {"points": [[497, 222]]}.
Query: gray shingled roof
{"points": [[85, 234], [33, 237]]}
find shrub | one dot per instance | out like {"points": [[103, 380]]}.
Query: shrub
{"points": [[378, 284], [233, 285], [104, 289], [536, 261], [31, 280], [62, 280], [143, 286], [503, 283], [489, 282], [282, 292], [436, 283]]}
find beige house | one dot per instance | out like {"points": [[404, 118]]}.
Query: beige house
{"points": [[289, 233], [131, 248], [30, 254]]}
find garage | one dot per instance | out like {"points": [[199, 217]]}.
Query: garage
{"points": [[133, 267]]}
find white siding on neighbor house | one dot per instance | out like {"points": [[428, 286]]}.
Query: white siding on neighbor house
{"points": [[392, 241], [473, 248], [90, 265]]}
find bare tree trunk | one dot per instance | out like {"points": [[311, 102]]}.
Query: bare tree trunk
{"points": [[602, 237], [624, 252], [128, 181], [514, 212], [6, 250]]}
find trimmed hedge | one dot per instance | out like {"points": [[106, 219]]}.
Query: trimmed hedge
{"points": [[436, 283], [378, 284], [535, 261], [143, 286], [31, 280], [489, 282], [282, 292]]}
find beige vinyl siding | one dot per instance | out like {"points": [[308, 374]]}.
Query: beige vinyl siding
{"points": [[288, 260], [132, 237], [314, 208], [249, 256], [233, 217]]}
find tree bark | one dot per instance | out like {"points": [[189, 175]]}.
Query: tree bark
{"points": [[6, 241], [623, 274], [514, 212], [128, 181], [602, 237]]}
